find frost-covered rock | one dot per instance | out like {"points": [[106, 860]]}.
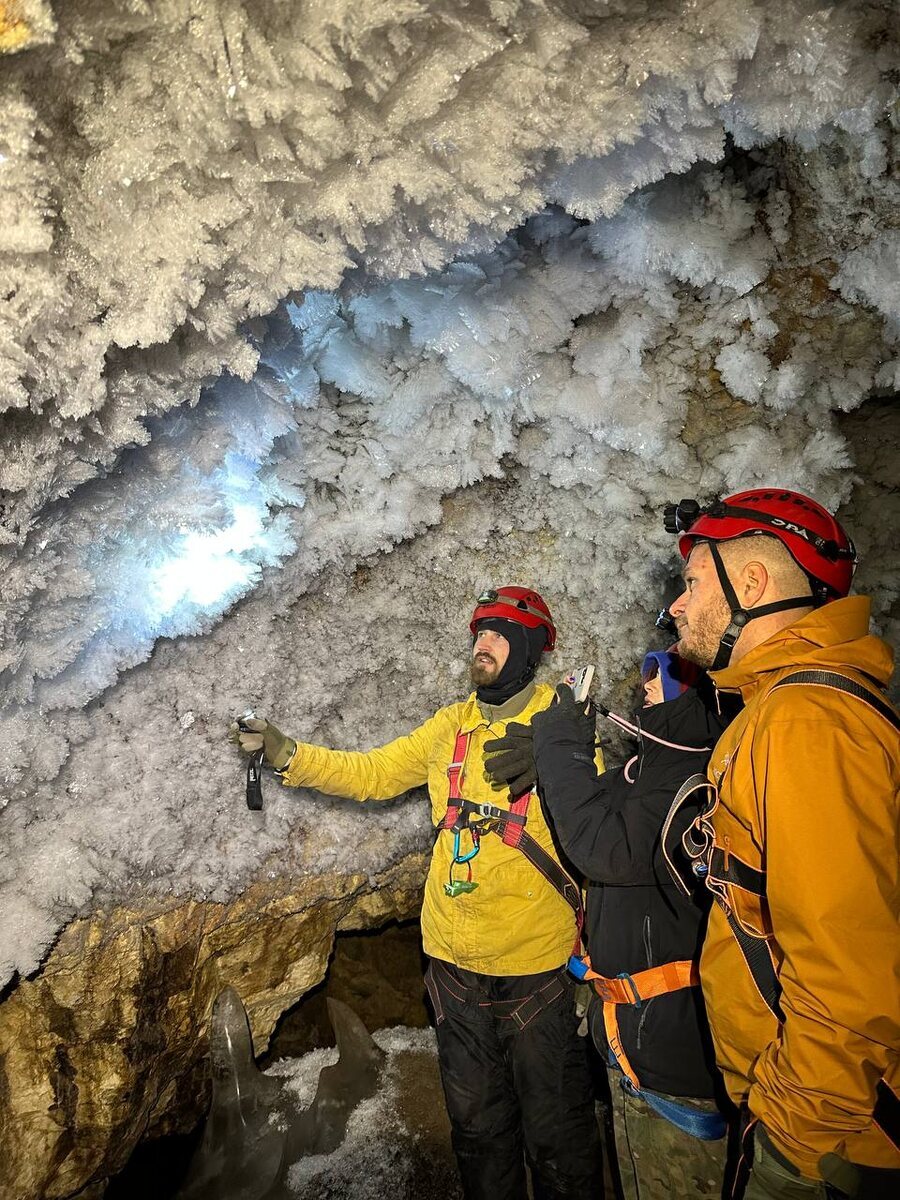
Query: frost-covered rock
{"points": [[316, 320]]}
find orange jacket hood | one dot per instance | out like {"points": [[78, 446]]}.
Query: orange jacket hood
{"points": [[834, 637]]}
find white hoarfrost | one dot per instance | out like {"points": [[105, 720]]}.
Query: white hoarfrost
{"points": [[316, 319], [384, 1151]]}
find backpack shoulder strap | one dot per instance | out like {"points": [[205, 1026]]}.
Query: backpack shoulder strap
{"points": [[756, 951], [841, 683]]}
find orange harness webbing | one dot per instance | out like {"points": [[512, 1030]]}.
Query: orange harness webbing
{"points": [[635, 989]]}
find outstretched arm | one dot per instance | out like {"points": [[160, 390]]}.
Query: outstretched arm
{"points": [[378, 774]]}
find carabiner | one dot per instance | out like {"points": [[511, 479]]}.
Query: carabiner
{"points": [[464, 858]]}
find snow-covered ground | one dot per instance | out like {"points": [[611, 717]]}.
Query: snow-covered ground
{"points": [[397, 1143]]}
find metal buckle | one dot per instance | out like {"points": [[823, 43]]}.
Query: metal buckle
{"points": [[637, 995]]}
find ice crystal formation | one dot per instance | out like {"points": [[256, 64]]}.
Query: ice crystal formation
{"points": [[317, 317]]}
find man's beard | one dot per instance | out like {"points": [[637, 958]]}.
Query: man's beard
{"points": [[483, 673], [700, 642]]}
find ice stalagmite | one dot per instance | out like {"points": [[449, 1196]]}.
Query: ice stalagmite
{"points": [[254, 1131], [241, 1152], [320, 1128]]}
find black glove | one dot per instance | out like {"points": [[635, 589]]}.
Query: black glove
{"points": [[565, 720], [511, 760]]}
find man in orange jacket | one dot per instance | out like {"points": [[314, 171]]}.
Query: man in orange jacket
{"points": [[801, 962]]}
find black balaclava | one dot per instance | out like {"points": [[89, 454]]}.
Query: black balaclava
{"points": [[525, 648]]}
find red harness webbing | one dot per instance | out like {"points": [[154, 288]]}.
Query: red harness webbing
{"points": [[512, 832]]}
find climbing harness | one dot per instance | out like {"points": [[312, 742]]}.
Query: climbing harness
{"points": [[643, 986], [635, 990], [721, 869], [509, 824], [442, 981]]}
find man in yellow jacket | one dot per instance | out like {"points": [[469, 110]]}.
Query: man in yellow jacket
{"points": [[801, 962], [499, 920]]}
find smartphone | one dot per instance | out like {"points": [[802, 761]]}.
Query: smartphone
{"points": [[241, 720], [580, 682]]}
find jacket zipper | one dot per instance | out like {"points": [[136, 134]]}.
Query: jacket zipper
{"points": [[645, 1008]]}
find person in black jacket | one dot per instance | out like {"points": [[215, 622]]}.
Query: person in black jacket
{"points": [[647, 1022]]}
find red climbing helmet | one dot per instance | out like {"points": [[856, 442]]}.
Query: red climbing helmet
{"points": [[514, 603], [814, 539]]}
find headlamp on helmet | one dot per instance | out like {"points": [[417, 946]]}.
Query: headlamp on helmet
{"points": [[678, 518], [816, 542], [515, 603]]}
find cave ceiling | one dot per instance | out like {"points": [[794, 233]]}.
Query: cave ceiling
{"points": [[315, 318]]}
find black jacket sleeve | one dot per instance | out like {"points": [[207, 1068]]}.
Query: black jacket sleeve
{"points": [[608, 828]]}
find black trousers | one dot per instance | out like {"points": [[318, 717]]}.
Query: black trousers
{"points": [[517, 1084]]}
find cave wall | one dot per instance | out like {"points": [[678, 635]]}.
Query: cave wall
{"points": [[317, 319], [107, 1045]]}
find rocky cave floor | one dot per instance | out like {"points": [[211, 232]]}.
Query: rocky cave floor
{"points": [[401, 1146]]}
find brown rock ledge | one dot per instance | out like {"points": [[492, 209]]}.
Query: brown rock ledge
{"points": [[105, 1045]]}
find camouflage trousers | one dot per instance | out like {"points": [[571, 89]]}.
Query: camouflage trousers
{"points": [[659, 1161]]}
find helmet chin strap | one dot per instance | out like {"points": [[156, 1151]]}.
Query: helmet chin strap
{"points": [[740, 616]]}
